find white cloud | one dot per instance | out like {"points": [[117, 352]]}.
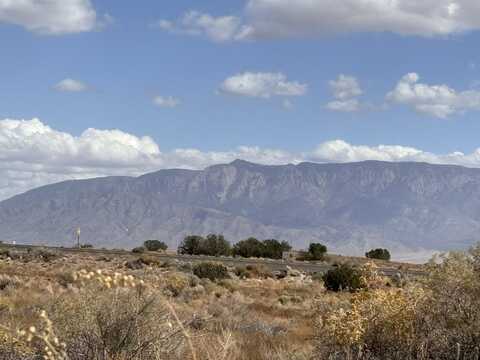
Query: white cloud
{"points": [[51, 17], [284, 18], [33, 154], [267, 19], [71, 85], [262, 85], [194, 23], [351, 105], [342, 151], [167, 101], [439, 101], [33, 141], [345, 87], [345, 90]]}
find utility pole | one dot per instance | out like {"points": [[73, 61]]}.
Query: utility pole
{"points": [[77, 235]]}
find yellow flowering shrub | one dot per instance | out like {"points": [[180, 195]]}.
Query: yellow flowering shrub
{"points": [[176, 283], [434, 317]]}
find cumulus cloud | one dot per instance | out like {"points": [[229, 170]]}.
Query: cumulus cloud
{"points": [[33, 154], [262, 85], [267, 19], [70, 85], [345, 90], [342, 151], [194, 23], [52, 17], [427, 18], [166, 101], [35, 142], [439, 101]]}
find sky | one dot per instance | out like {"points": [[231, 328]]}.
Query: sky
{"points": [[94, 88]]}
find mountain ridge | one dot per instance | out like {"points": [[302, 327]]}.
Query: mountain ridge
{"points": [[406, 206]]}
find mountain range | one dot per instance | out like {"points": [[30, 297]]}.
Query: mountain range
{"points": [[414, 209]]}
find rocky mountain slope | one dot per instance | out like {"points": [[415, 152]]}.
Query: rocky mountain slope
{"points": [[408, 207]]}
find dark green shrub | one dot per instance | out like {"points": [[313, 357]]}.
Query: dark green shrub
{"points": [[86, 246], [212, 245], [343, 277], [138, 250], [379, 254], [271, 249], [317, 251], [210, 270], [216, 245], [191, 245], [250, 247], [155, 245]]}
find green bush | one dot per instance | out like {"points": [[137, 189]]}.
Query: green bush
{"points": [[86, 246], [343, 277], [210, 270], [251, 247], [317, 251], [273, 249], [379, 254], [212, 245], [191, 245], [155, 245], [216, 245]]}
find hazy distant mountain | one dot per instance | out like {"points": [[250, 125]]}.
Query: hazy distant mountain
{"points": [[408, 207]]}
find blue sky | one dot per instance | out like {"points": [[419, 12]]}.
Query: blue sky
{"points": [[121, 56]]}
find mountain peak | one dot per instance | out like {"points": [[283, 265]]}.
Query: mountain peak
{"points": [[240, 162]]}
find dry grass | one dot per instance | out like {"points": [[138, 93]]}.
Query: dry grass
{"points": [[85, 307], [105, 310]]}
